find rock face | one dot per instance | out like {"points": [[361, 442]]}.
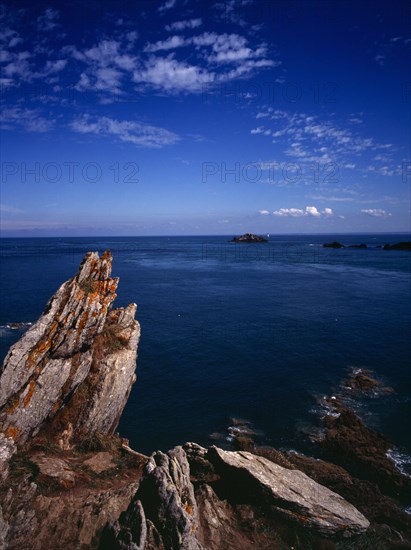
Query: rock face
{"points": [[79, 357], [249, 238]]}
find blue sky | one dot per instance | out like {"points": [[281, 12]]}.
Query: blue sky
{"points": [[199, 117]]}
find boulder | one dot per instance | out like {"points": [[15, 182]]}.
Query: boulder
{"points": [[291, 493]]}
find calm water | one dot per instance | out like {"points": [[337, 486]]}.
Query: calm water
{"points": [[254, 331]]}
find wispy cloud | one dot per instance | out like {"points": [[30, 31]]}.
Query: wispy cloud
{"points": [[388, 49], [7, 209], [183, 25], [168, 5], [231, 11], [127, 131], [376, 212], [30, 120], [48, 21], [310, 140]]}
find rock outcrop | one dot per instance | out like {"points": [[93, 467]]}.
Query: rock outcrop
{"points": [[76, 364], [63, 387]]}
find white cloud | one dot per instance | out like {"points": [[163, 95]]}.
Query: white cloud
{"points": [[169, 44], [376, 212], [263, 212], [128, 131], [312, 211], [109, 63], [294, 212], [173, 76], [299, 212], [182, 25], [258, 130]]}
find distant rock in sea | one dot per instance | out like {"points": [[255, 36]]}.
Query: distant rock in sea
{"points": [[249, 238], [398, 246], [334, 244]]}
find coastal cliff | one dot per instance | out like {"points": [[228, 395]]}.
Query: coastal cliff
{"points": [[68, 481]]}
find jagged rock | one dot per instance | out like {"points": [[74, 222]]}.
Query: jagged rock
{"points": [[164, 509], [62, 354], [291, 492]]}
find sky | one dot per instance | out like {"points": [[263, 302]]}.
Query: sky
{"points": [[195, 117]]}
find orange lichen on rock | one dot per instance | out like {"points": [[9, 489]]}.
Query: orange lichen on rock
{"points": [[29, 395], [83, 321], [12, 432], [41, 347], [13, 406]]}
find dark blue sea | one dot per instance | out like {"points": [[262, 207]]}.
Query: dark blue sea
{"points": [[255, 331]]}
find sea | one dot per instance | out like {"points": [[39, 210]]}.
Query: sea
{"points": [[256, 332]]}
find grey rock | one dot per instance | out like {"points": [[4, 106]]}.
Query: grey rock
{"points": [[292, 493], [61, 353], [164, 503], [7, 449]]}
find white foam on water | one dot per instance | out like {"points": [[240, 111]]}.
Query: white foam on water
{"points": [[401, 460]]}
